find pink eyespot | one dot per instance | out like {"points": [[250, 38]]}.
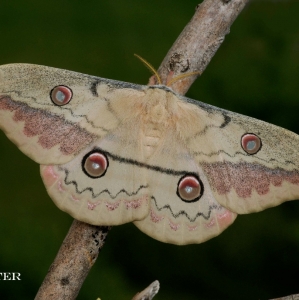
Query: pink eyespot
{"points": [[251, 143], [95, 164], [61, 95], [190, 188]]}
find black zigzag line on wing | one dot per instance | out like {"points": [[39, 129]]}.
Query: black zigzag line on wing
{"points": [[85, 117], [49, 105], [109, 108], [28, 109], [242, 154], [227, 120], [73, 182], [182, 212]]}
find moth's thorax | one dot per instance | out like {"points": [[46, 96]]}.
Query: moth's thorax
{"points": [[158, 114], [159, 107]]}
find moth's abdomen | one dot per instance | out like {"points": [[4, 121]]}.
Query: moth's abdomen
{"points": [[158, 116], [151, 136]]}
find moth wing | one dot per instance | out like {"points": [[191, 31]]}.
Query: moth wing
{"points": [[241, 181], [119, 196], [103, 116], [52, 134], [172, 219]]}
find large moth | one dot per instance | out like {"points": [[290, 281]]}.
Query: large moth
{"points": [[113, 152]]}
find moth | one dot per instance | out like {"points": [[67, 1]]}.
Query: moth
{"points": [[113, 152]]}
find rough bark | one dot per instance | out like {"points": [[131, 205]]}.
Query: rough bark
{"points": [[291, 297], [199, 41], [149, 292], [74, 260]]}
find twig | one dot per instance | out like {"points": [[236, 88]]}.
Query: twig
{"points": [[149, 292], [75, 258], [199, 41], [191, 52], [291, 297]]}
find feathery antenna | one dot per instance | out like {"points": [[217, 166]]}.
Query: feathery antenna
{"points": [[150, 67]]}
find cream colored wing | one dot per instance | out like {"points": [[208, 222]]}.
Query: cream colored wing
{"points": [[102, 185], [250, 164], [125, 176], [183, 209], [53, 114], [236, 163], [114, 152], [70, 122]]}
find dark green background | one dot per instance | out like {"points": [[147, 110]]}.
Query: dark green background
{"points": [[255, 72]]}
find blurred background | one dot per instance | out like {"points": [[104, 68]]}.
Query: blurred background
{"points": [[255, 72]]}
